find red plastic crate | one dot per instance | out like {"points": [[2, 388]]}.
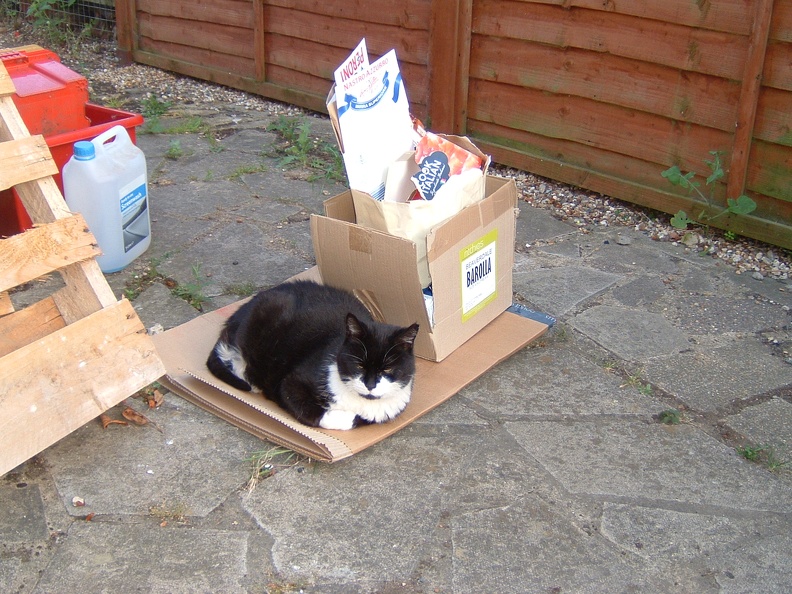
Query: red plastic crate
{"points": [[13, 217], [50, 97]]}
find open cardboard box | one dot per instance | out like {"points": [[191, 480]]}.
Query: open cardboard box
{"points": [[470, 256], [184, 350], [469, 343]]}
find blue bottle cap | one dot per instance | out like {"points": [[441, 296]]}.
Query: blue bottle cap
{"points": [[84, 150]]}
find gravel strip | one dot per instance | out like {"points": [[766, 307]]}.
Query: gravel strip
{"points": [[128, 86]]}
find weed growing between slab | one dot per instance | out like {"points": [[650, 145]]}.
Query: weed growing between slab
{"points": [[305, 151], [763, 454], [267, 462], [741, 205], [192, 292]]}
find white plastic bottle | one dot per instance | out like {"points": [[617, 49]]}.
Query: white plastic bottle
{"points": [[106, 181]]}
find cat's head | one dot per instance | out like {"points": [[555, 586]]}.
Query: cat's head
{"points": [[377, 359]]}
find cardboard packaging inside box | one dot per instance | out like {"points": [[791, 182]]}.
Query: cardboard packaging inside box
{"points": [[470, 258]]}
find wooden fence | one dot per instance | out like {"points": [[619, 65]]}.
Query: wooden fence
{"points": [[601, 94]]}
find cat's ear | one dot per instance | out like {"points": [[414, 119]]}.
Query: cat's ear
{"points": [[354, 328], [406, 336]]}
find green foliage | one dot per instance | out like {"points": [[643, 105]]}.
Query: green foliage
{"points": [[174, 150], [742, 205], [762, 454], [670, 416], [302, 150], [53, 19], [152, 107], [192, 292]]}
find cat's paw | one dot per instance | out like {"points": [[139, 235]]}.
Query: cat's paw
{"points": [[337, 419]]}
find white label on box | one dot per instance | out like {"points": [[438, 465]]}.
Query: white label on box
{"points": [[479, 276]]}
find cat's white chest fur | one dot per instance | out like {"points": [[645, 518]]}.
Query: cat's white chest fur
{"points": [[390, 399]]}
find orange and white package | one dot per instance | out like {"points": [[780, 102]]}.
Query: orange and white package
{"points": [[438, 160]]}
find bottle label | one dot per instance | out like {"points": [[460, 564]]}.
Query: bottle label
{"points": [[134, 212]]}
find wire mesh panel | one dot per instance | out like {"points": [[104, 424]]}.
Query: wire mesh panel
{"points": [[89, 17]]}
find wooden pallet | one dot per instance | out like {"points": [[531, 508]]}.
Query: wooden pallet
{"points": [[78, 352]]}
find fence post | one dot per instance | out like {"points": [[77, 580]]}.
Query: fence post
{"points": [[126, 28], [449, 65], [749, 97]]}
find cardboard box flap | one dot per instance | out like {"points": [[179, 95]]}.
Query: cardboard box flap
{"points": [[184, 350], [371, 264], [478, 215]]}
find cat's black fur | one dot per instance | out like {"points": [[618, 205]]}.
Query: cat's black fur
{"points": [[319, 354]]}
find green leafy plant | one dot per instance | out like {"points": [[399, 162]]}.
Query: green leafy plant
{"points": [[741, 205], [153, 107], [762, 454], [670, 416], [306, 151], [174, 150], [267, 462], [192, 292]]}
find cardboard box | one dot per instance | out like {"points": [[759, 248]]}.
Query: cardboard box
{"points": [[184, 350], [470, 257]]}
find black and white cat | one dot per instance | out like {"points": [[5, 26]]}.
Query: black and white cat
{"points": [[319, 354]]}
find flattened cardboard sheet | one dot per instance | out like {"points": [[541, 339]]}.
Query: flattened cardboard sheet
{"points": [[184, 350]]}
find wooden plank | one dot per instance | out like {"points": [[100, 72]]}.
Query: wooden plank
{"points": [[769, 171], [6, 307], [236, 13], [313, 101], [410, 45], [171, 53], [28, 325], [6, 84], [774, 116], [621, 131], [25, 159], [221, 39], [731, 16], [41, 250], [777, 72], [54, 385], [749, 96], [781, 27], [686, 48], [686, 96], [405, 14]]}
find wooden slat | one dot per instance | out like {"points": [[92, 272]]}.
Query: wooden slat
{"points": [[6, 84], [686, 48], [222, 39], [405, 14], [746, 110], [6, 307], [774, 116], [643, 86], [621, 131], [28, 325], [39, 251], [25, 159], [56, 384], [410, 45], [237, 13], [731, 16], [777, 72]]}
